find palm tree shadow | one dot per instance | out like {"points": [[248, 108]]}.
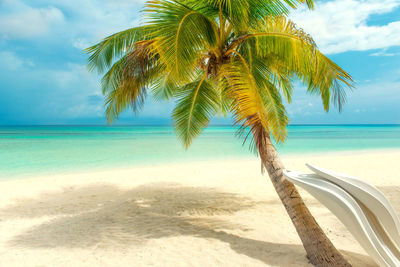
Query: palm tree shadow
{"points": [[104, 215]]}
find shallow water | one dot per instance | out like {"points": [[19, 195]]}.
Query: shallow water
{"points": [[33, 150]]}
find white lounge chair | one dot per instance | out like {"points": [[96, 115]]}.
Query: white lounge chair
{"points": [[361, 207]]}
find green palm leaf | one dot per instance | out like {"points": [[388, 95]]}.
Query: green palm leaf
{"points": [[247, 103], [163, 88], [126, 81], [258, 100], [103, 54], [279, 40], [197, 103], [241, 14], [129, 93], [225, 101], [269, 91], [181, 34]]}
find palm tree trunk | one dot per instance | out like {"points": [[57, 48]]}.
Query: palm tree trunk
{"points": [[320, 250]]}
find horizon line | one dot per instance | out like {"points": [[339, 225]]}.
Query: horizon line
{"points": [[213, 125]]}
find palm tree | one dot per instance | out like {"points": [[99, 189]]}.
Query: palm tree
{"points": [[219, 57]]}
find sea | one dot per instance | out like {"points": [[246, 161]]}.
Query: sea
{"points": [[27, 151]]}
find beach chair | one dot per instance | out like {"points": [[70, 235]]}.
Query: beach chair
{"points": [[360, 206]]}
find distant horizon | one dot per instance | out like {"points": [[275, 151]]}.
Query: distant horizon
{"points": [[212, 125]]}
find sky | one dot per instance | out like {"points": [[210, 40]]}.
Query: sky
{"points": [[44, 78]]}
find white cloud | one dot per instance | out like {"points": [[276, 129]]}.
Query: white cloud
{"points": [[384, 53], [72, 86], [103, 19], [11, 61], [25, 21], [81, 43], [65, 92], [341, 25], [86, 23]]}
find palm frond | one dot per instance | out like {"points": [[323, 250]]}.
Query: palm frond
{"points": [[197, 103], [130, 93], [279, 40], [163, 88], [225, 101], [255, 104], [247, 105], [268, 68], [126, 81], [260, 9], [269, 91], [241, 14], [236, 12], [181, 35], [283, 81], [103, 54], [327, 79]]}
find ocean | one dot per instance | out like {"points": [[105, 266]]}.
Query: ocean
{"points": [[42, 150]]}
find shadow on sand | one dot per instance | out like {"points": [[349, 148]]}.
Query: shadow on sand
{"points": [[106, 215]]}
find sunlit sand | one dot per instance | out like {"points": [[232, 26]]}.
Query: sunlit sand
{"points": [[208, 213]]}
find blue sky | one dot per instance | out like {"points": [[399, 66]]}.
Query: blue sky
{"points": [[44, 79]]}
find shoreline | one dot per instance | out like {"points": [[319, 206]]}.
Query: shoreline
{"points": [[250, 157]]}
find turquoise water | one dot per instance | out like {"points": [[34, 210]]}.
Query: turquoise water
{"points": [[33, 150]]}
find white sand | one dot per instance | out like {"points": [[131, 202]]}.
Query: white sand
{"points": [[221, 213]]}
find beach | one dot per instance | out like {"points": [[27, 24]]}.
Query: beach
{"points": [[220, 212], [131, 133]]}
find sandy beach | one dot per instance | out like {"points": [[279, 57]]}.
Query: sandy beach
{"points": [[206, 213]]}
